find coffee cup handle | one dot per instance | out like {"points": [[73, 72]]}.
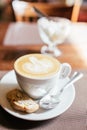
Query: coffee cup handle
{"points": [[65, 70]]}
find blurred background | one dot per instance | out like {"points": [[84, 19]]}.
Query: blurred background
{"points": [[19, 38], [7, 12]]}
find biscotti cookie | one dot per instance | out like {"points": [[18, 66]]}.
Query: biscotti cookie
{"points": [[21, 101]]}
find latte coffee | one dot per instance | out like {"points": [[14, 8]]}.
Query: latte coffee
{"points": [[36, 74], [37, 66]]}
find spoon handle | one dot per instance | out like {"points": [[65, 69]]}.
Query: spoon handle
{"points": [[76, 76], [40, 14]]}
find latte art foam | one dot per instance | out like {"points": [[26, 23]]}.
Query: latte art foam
{"points": [[36, 66]]}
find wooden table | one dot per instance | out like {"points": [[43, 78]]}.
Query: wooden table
{"points": [[75, 118], [71, 53]]}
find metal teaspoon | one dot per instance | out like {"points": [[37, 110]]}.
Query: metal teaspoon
{"points": [[50, 100]]}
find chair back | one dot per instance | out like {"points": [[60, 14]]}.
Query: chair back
{"points": [[24, 12]]}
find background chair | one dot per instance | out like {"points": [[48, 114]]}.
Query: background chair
{"points": [[24, 12], [76, 10]]}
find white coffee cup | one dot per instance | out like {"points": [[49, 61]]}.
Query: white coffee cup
{"points": [[38, 73]]}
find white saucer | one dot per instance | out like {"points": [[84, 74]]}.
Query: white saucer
{"points": [[8, 82]]}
